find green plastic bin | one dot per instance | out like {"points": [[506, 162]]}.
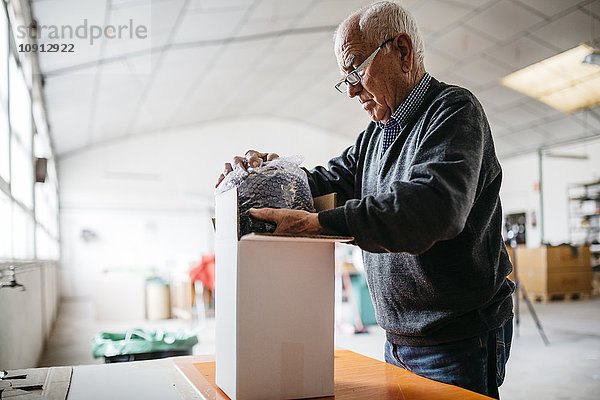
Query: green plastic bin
{"points": [[363, 299], [140, 344]]}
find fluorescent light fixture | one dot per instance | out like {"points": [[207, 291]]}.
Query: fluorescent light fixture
{"points": [[568, 156], [564, 81]]}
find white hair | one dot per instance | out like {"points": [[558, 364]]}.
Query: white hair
{"points": [[379, 22]]}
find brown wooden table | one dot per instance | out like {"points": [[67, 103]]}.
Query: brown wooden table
{"points": [[356, 377]]}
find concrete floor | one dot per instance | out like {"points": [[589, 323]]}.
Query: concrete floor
{"points": [[569, 368]]}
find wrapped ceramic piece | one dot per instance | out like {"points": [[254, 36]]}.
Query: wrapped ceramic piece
{"points": [[279, 183]]}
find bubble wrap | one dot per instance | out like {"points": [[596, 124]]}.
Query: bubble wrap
{"points": [[277, 184]]}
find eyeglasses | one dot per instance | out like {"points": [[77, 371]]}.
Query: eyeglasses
{"points": [[353, 78]]}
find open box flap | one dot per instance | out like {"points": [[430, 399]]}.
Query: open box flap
{"points": [[227, 221], [295, 238]]}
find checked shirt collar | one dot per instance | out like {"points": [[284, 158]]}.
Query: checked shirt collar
{"points": [[400, 117]]}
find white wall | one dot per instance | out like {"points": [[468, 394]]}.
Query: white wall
{"points": [[519, 187], [519, 193], [149, 199], [128, 238]]}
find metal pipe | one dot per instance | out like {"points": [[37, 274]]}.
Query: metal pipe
{"points": [[541, 189], [23, 265]]}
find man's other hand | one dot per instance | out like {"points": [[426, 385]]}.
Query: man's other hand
{"points": [[252, 158], [295, 222]]}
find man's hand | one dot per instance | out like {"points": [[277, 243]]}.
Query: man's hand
{"points": [[296, 222], [252, 158]]}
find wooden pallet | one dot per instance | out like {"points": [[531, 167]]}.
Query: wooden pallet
{"points": [[595, 283], [547, 297]]}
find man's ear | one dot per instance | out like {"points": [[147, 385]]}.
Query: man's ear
{"points": [[404, 44]]}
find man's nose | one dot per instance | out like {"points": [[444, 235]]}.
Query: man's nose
{"points": [[353, 90]]}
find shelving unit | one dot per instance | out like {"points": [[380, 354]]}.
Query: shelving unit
{"points": [[584, 217]]}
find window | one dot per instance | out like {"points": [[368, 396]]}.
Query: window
{"points": [[4, 145], [27, 230], [20, 141], [20, 105], [5, 226], [4, 149], [3, 57], [23, 231], [22, 173], [46, 194]]}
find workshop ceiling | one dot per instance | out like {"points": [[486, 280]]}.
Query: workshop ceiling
{"points": [[210, 60]]}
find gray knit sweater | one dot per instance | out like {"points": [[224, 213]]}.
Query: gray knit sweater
{"points": [[427, 215]]}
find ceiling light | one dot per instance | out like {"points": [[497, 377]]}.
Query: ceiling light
{"points": [[568, 156], [569, 81]]}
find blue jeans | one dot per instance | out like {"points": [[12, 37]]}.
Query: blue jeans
{"points": [[476, 364]]}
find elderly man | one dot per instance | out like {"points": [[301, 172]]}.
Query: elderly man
{"points": [[418, 191]]}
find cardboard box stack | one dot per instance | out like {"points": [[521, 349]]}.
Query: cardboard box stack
{"points": [[549, 271]]}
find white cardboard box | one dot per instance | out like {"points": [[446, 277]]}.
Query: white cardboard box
{"points": [[274, 311]]}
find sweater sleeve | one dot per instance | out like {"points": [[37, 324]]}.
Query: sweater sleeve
{"points": [[338, 177], [434, 202], [334, 221]]}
